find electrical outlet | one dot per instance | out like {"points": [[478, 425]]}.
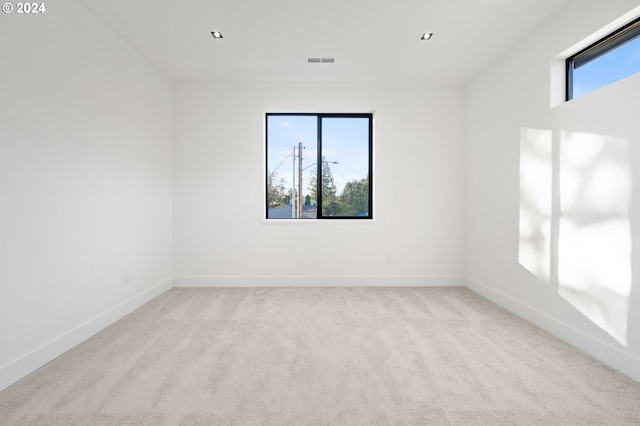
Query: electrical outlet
{"points": [[389, 260], [125, 278]]}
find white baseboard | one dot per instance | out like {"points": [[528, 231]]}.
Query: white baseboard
{"points": [[30, 362], [319, 281], [612, 356]]}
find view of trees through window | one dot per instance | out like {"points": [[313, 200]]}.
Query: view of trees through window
{"points": [[318, 166]]}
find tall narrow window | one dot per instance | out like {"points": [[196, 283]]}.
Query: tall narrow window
{"points": [[610, 59], [319, 166]]}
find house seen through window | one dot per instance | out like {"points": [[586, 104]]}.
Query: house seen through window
{"points": [[319, 166]]}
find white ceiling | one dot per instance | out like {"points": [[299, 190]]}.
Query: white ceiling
{"points": [[371, 40]]}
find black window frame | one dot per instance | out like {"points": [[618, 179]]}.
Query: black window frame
{"points": [[601, 47], [319, 161]]}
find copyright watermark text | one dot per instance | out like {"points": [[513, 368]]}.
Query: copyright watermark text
{"points": [[24, 8]]}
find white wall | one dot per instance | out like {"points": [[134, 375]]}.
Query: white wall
{"points": [[85, 183], [505, 102], [221, 238]]}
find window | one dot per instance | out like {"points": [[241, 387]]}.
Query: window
{"points": [[319, 166], [610, 59]]}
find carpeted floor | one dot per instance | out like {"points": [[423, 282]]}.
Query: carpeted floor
{"points": [[322, 356]]}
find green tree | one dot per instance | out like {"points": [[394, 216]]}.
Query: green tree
{"points": [[354, 198], [328, 185], [276, 191]]}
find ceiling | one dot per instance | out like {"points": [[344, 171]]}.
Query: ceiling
{"points": [[371, 40]]}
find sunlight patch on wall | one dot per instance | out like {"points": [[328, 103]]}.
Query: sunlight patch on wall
{"points": [[574, 228], [536, 174], [594, 245]]}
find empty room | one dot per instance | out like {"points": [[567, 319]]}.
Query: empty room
{"points": [[319, 213]]}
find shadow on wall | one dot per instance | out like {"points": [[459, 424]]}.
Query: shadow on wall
{"points": [[575, 231]]}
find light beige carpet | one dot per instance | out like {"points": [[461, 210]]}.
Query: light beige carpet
{"points": [[322, 356]]}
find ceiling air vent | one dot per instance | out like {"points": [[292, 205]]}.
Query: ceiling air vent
{"points": [[321, 60]]}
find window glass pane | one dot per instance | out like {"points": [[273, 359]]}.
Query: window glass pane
{"points": [[318, 166], [614, 65], [285, 133], [345, 166]]}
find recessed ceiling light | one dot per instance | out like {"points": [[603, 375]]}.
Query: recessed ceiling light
{"points": [[216, 34], [426, 36]]}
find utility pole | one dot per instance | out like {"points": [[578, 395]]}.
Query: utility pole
{"points": [[299, 180], [293, 185]]}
